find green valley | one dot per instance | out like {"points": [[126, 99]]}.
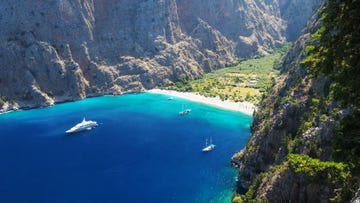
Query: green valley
{"points": [[247, 81]]}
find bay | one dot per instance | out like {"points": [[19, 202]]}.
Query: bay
{"points": [[142, 151]]}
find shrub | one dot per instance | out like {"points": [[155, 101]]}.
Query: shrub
{"points": [[336, 174], [347, 141]]}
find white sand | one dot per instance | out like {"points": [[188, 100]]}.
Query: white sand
{"points": [[244, 107]]}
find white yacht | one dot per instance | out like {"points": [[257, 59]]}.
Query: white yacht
{"points": [[84, 125]]}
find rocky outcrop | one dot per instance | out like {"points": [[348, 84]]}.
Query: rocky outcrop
{"points": [[64, 50]]}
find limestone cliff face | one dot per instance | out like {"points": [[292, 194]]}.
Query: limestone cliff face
{"points": [[254, 26], [293, 13], [61, 50]]}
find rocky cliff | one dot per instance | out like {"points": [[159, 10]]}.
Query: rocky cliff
{"points": [[297, 151], [62, 50], [286, 123]]}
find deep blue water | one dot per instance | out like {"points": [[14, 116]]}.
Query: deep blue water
{"points": [[143, 151]]}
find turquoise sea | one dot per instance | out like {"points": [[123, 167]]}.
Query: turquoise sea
{"points": [[142, 151]]}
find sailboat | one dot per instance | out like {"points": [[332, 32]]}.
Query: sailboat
{"points": [[208, 147], [184, 112]]}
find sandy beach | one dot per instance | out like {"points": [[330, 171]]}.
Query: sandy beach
{"points": [[243, 107]]}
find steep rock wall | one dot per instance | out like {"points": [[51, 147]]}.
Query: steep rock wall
{"points": [[62, 50], [293, 13]]}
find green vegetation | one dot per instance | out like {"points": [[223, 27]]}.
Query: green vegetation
{"points": [[334, 53], [263, 178], [346, 145], [336, 175], [247, 81], [250, 195], [335, 49], [314, 168]]}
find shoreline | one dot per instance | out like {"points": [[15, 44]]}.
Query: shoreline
{"points": [[243, 107]]}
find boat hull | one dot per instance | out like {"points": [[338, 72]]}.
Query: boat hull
{"points": [[208, 148], [79, 130], [187, 111]]}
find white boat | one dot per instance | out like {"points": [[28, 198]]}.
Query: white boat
{"points": [[186, 111], [170, 98], [84, 125], [208, 147]]}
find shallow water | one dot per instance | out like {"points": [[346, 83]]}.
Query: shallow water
{"points": [[143, 151]]}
